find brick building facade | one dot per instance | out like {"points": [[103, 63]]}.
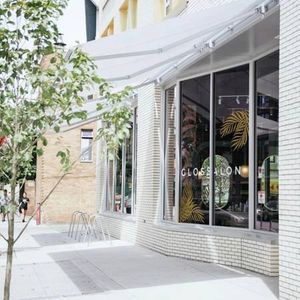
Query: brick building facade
{"points": [[77, 190]]}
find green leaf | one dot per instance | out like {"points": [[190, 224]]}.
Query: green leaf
{"points": [[53, 60], [44, 141], [39, 151], [18, 138]]}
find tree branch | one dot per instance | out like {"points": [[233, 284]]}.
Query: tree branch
{"points": [[51, 191], [1, 235], [36, 209]]}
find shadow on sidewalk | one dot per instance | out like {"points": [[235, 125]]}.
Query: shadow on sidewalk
{"points": [[52, 239], [56, 239], [131, 267]]}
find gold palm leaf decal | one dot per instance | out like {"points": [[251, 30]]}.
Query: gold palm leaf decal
{"points": [[189, 211], [237, 124]]}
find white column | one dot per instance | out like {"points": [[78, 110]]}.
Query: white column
{"points": [[289, 150]]}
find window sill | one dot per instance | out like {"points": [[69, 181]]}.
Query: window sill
{"points": [[115, 215], [86, 161], [270, 238]]}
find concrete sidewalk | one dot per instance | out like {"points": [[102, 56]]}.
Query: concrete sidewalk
{"points": [[49, 265]]}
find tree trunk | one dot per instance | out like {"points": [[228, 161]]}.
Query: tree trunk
{"points": [[9, 255], [11, 229]]}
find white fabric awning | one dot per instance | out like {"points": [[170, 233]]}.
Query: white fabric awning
{"points": [[145, 55]]}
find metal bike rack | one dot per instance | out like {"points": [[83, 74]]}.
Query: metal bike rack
{"points": [[91, 230], [74, 216], [84, 227]]}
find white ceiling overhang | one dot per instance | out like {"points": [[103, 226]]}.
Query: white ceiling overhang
{"points": [[155, 53]]}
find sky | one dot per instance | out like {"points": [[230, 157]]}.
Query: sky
{"points": [[72, 24]]}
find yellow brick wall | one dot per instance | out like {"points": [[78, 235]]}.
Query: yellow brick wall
{"points": [[77, 191], [30, 190]]}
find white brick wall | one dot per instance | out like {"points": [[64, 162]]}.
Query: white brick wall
{"points": [[289, 150]]}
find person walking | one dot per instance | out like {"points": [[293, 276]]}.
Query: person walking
{"points": [[3, 203], [23, 206]]}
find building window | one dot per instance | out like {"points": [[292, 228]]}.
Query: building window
{"points": [[86, 145], [128, 176], [134, 159], [267, 95], [213, 140], [124, 177], [109, 184], [231, 90], [121, 175], [110, 29], [174, 7], [194, 128], [118, 180], [90, 20], [168, 4], [123, 16], [133, 13]]}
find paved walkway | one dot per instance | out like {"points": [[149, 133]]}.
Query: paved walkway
{"points": [[49, 265]]}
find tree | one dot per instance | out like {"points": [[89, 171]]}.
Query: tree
{"points": [[41, 90]]}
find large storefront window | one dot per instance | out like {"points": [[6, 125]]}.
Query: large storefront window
{"points": [[118, 180], [267, 95], [128, 174], [215, 144], [134, 159], [194, 183], [109, 184], [121, 175], [231, 147]]}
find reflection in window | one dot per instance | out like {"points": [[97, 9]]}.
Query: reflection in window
{"points": [[109, 185], [128, 173], [231, 143], [118, 180], [230, 147], [170, 167], [121, 175], [267, 95], [134, 171], [222, 182], [195, 114]]}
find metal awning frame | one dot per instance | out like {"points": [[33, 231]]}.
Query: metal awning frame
{"points": [[227, 34]]}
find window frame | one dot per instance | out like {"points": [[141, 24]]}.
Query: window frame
{"points": [[251, 147], [123, 174], [91, 147], [213, 144], [255, 141]]}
